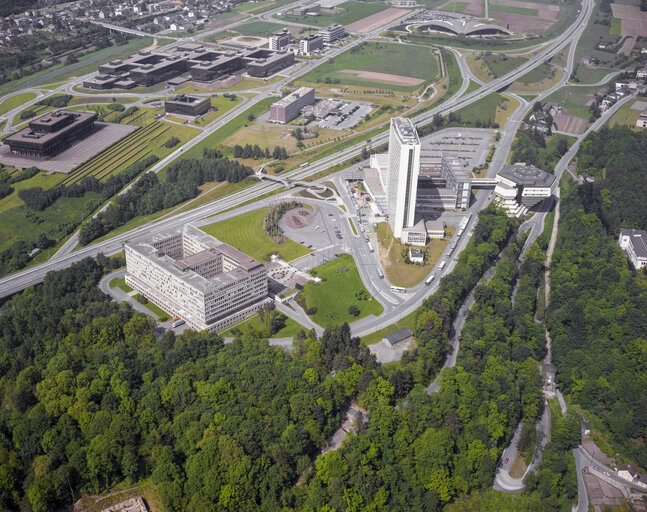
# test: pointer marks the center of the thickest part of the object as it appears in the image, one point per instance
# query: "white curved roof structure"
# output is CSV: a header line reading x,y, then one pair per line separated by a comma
x,y
464,27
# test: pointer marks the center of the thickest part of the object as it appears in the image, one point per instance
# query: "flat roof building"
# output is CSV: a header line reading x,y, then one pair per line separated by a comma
x,y
187,105
51,132
401,185
310,44
634,243
521,186
196,277
280,40
332,33
288,108
202,63
397,337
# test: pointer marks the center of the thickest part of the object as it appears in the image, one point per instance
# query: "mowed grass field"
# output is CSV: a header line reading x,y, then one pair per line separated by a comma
x,y
456,7
513,10
253,324
259,28
333,296
487,67
347,13
393,59
246,233
16,101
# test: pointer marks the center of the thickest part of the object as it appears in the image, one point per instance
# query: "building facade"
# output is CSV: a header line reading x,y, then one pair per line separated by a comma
x,y
51,133
402,174
634,243
332,33
196,277
310,44
187,105
279,41
522,186
289,107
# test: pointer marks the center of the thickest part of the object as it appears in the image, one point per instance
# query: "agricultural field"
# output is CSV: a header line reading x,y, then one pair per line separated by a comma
x,y
344,14
627,114
526,17
246,233
488,66
455,7
396,270
338,290
379,65
576,99
16,101
258,28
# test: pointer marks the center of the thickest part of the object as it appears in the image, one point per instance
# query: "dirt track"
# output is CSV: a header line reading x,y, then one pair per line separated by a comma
x,y
375,21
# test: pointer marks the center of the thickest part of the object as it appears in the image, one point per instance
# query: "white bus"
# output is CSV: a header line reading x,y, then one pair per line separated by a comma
x,y
380,274
398,289
370,247
442,265
429,280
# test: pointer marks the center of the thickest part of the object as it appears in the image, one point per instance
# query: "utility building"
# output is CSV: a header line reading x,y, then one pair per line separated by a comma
x,y
402,174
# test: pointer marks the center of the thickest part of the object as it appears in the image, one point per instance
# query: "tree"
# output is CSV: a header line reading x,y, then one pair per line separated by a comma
x,y
353,310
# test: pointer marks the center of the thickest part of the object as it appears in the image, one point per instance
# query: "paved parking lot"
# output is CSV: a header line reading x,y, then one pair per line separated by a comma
x,y
468,144
336,123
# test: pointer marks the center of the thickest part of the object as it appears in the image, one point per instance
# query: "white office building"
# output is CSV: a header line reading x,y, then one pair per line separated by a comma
x,y
310,44
332,33
196,277
402,174
521,186
634,243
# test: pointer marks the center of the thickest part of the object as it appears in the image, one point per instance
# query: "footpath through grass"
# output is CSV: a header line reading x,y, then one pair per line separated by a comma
x,y
246,233
340,288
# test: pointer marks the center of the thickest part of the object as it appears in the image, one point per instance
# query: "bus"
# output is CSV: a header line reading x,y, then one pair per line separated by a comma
x,y
305,164
398,289
442,265
370,247
380,274
177,322
429,280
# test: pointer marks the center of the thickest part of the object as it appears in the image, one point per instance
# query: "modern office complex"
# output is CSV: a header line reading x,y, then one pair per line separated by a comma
x,y
204,65
51,132
280,40
444,183
187,105
288,107
310,44
402,174
196,277
332,33
634,243
522,186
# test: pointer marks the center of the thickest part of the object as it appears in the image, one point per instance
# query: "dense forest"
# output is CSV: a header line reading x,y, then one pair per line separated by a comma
x,y
92,395
598,317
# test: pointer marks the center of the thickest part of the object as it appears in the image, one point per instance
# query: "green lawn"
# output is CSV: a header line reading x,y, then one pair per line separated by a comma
x,y
594,33
259,28
394,59
456,7
500,64
408,321
574,99
513,10
626,115
253,324
483,109
333,296
349,12
246,234
162,315
120,282
615,29
16,101
44,181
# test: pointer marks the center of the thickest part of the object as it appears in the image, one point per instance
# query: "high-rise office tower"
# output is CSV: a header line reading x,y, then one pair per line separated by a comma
x,y
402,174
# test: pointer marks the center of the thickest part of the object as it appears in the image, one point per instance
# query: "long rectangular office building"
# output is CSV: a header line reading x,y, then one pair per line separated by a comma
x,y
288,107
196,277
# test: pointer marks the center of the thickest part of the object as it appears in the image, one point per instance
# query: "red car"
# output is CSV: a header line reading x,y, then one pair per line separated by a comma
x,y
506,460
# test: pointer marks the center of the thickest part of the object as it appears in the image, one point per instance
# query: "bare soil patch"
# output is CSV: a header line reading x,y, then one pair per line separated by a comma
x,y
628,43
547,15
225,21
375,21
569,123
385,77
633,22
628,12
299,218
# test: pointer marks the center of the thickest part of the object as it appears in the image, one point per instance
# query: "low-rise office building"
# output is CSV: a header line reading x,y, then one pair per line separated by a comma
x,y
51,133
634,243
332,33
187,105
311,43
289,107
522,186
280,40
196,277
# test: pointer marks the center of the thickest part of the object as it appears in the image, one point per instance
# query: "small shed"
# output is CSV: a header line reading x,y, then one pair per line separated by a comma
x,y
397,337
